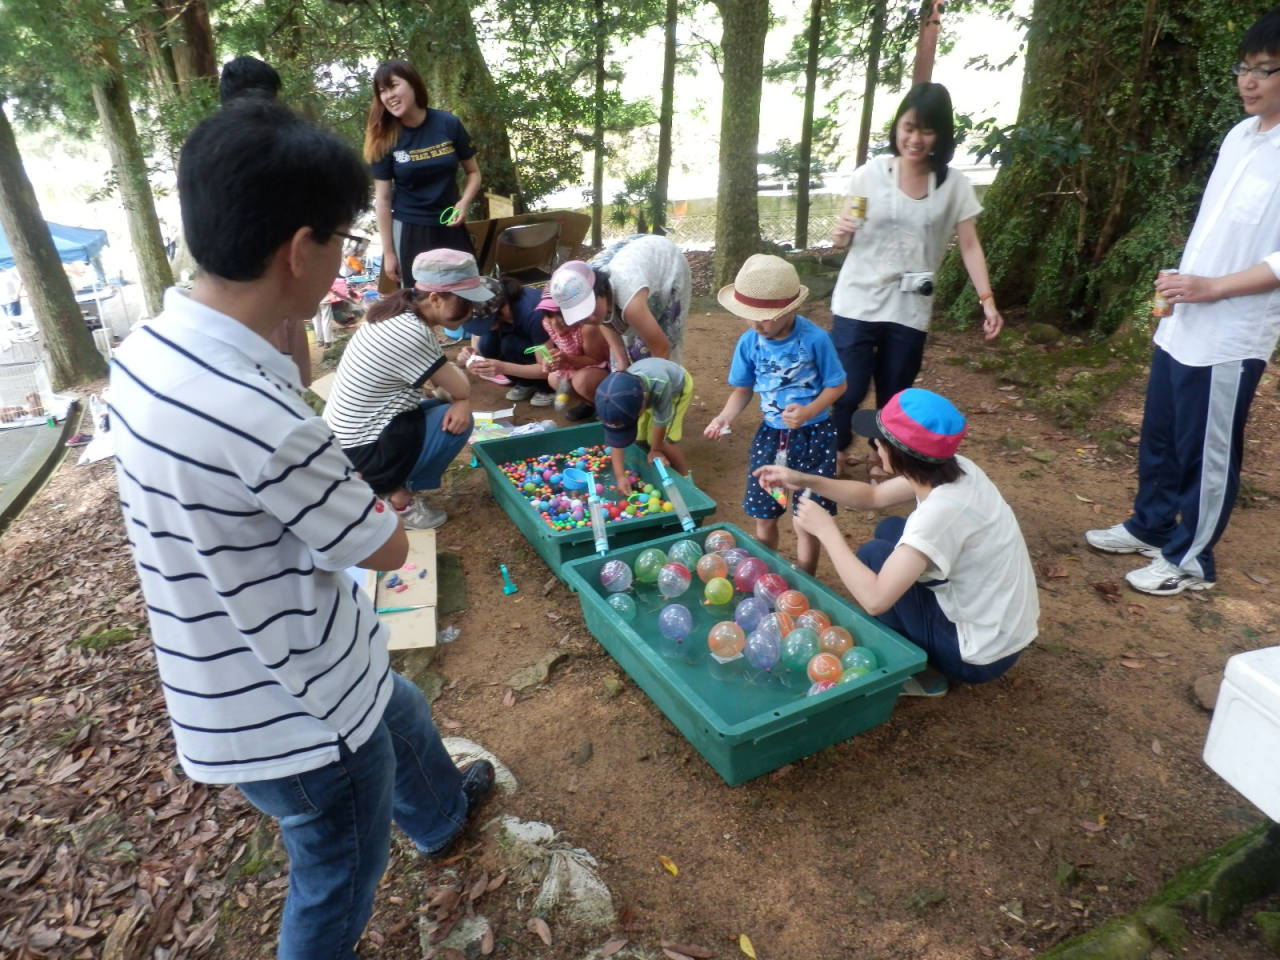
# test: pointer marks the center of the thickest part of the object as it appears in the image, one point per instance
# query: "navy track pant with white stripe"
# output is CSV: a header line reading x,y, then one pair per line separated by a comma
x,y
1189,457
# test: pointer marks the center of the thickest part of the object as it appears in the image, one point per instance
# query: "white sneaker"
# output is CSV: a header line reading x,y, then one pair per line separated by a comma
x,y
1160,578
518,393
418,516
1119,540
543,398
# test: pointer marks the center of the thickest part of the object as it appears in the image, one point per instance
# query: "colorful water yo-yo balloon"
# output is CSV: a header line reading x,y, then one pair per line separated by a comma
x,y
718,591
769,588
798,648
748,574
835,640
859,657
750,612
762,650
649,564
814,620
726,639
623,606
712,565
718,540
675,621
792,602
824,666
615,576
734,556
853,673
673,579
686,552
820,686
779,624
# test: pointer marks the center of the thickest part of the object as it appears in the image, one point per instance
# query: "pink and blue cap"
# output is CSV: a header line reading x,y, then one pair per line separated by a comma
x,y
918,422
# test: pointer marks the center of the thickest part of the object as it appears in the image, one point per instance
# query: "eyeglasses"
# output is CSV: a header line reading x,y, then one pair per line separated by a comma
x,y
351,236
1258,73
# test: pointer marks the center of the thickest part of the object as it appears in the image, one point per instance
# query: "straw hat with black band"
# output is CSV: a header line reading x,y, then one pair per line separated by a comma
x,y
766,287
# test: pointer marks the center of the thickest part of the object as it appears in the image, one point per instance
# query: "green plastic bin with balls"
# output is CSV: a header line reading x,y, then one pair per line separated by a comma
x,y
558,547
744,724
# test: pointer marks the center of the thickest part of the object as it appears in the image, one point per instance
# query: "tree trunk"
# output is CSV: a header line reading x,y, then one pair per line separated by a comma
x,y
597,166
191,39
152,40
806,126
1077,236
666,120
111,98
73,358
446,51
745,23
874,45
927,49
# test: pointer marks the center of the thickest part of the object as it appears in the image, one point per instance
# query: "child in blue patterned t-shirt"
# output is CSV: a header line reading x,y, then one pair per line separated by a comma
x,y
792,364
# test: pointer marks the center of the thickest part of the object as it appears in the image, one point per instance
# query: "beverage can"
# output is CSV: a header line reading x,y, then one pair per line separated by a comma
x,y
1160,307
858,208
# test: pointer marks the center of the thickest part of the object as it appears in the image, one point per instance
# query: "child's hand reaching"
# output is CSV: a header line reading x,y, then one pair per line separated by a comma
x,y
623,483
812,518
716,429
772,477
794,416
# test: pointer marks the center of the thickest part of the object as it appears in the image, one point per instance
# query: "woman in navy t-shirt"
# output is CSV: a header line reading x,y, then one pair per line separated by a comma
x,y
414,153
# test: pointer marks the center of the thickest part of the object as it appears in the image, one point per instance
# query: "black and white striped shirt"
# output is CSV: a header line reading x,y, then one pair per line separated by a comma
x,y
243,515
381,375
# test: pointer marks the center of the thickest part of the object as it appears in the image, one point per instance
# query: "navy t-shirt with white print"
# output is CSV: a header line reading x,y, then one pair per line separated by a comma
x,y
423,165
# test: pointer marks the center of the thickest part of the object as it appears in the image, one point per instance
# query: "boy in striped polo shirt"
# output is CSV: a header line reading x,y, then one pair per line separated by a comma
x,y
244,513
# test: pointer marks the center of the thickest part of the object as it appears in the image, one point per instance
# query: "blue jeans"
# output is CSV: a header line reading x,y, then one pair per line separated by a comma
x,y
919,618
888,353
439,447
336,824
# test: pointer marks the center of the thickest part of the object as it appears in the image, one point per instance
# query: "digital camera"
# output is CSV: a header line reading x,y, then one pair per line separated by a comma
x,y
921,283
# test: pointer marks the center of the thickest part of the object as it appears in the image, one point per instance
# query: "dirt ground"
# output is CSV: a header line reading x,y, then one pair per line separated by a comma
x,y
937,835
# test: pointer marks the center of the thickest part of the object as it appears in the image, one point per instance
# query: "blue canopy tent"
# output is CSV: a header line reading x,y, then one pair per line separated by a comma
x,y
74,244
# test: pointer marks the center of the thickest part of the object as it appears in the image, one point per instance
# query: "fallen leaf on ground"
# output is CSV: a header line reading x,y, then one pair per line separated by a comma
x,y
509,698
1091,826
539,926
610,948
675,954
688,949
1137,609
982,408
487,941
1156,748
1109,590
496,882
744,944
669,865
1133,664
1257,579
1052,570
1084,499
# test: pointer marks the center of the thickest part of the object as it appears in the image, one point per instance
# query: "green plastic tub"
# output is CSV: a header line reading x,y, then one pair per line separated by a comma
x,y
558,547
748,724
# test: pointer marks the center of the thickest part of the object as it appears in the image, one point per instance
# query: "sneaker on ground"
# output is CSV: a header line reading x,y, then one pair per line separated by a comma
x,y
418,516
477,786
543,398
501,379
520,392
583,411
1118,539
927,683
1160,578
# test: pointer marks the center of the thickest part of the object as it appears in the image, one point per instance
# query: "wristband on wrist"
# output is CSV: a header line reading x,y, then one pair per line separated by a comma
x,y
986,296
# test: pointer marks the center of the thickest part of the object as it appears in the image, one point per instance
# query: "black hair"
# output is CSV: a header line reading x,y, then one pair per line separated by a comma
x,y
1263,36
512,289
932,105
253,174
248,77
604,288
913,468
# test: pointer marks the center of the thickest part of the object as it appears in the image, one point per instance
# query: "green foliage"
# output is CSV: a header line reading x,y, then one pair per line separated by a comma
x,y
633,202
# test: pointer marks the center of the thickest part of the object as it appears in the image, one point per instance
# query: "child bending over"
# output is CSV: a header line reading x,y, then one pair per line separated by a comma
x,y
648,400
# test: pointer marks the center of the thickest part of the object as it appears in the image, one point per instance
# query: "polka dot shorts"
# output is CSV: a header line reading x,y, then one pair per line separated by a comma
x,y
810,449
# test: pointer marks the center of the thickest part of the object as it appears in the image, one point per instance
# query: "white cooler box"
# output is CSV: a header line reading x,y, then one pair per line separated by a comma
x,y
1243,746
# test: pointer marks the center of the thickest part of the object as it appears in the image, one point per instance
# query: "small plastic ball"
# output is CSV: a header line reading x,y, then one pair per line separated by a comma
x,y
798,648
853,673
675,621
824,666
814,620
718,540
750,612
623,606
649,564
792,602
748,574
820,686
615,576
718,591
726,639
673,579
859,657
734,556
711,566
762,650
779,624
769,587
686,552
835,640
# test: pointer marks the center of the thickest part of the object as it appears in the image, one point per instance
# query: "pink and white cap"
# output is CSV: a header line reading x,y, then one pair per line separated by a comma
x,y
572,287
